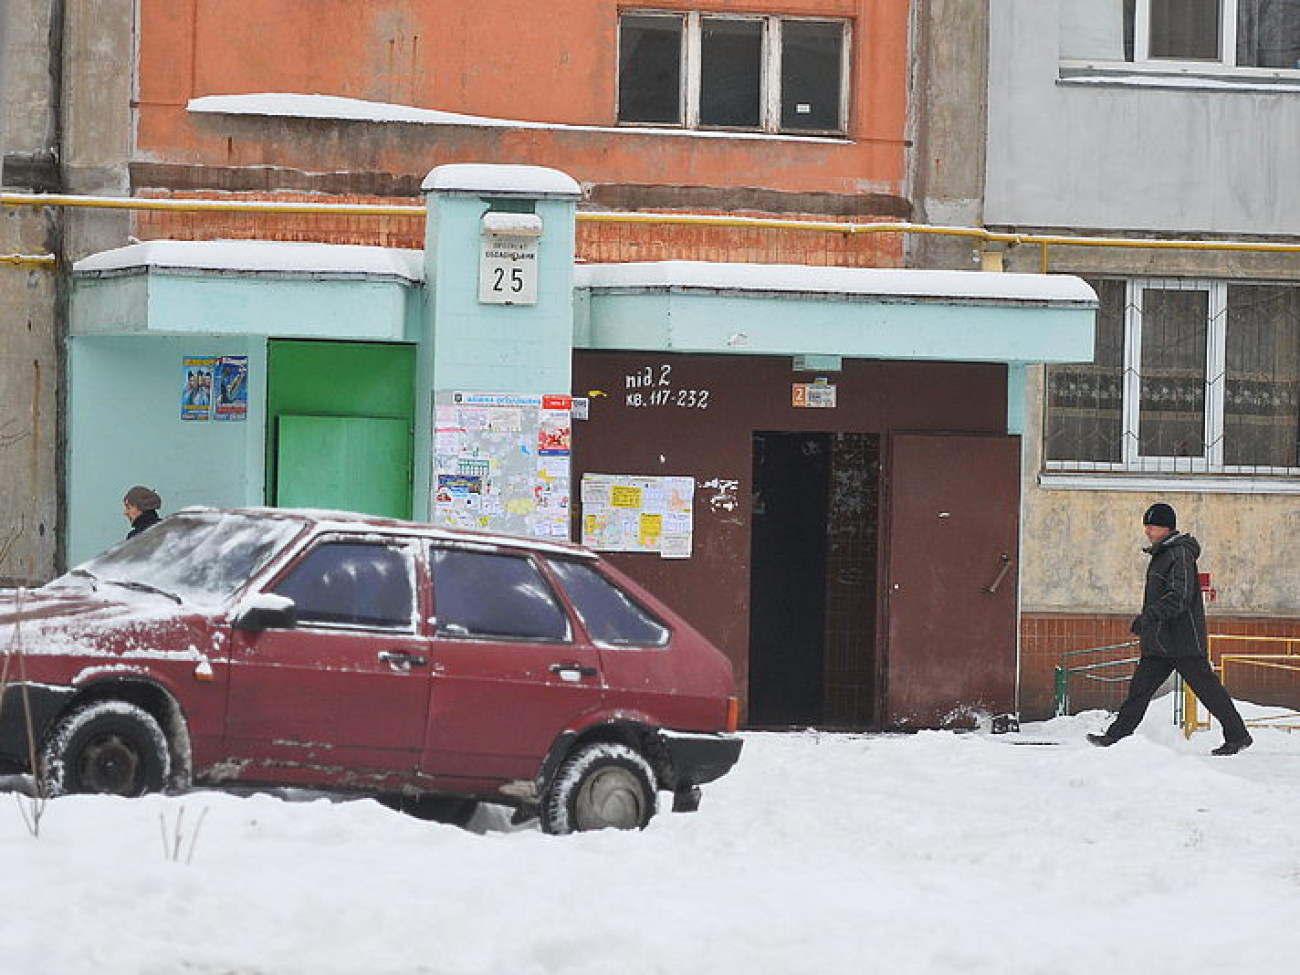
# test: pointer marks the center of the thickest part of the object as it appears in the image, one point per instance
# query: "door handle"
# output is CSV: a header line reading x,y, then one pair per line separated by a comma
x,y
402,660
1002,574
573,671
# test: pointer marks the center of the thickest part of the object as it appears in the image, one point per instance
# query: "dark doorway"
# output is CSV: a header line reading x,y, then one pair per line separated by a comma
x,y
813,579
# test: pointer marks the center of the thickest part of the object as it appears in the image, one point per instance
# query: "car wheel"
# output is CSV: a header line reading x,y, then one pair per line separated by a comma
x,y
600,786
108,747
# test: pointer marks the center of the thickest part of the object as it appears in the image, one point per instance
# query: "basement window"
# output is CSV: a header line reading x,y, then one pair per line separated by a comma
x,y
745,73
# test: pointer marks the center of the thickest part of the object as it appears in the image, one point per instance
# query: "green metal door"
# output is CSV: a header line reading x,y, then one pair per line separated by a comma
x,y
357,463
341,425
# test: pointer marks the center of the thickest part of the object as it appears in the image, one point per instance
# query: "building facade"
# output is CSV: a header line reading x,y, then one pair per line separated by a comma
x,y
820,467
851,112
1148,122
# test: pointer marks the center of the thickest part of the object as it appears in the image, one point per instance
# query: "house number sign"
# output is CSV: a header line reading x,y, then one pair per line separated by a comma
x,y
507,273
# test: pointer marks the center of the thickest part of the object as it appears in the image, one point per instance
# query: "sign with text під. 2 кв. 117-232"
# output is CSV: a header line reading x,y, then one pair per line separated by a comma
x,y
630,513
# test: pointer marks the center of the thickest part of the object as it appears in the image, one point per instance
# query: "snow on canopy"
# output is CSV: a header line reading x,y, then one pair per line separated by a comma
x,y
799,278
259,256
346,259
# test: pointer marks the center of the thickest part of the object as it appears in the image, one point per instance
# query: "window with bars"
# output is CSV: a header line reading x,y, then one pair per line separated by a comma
x,y
762,73
1230,33
1187,377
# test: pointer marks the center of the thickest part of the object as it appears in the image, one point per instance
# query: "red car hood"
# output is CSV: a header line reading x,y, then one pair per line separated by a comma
x,y
68,621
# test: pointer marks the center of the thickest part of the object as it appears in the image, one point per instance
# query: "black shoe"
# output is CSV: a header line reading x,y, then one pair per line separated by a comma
x,y
1102,741
1232,747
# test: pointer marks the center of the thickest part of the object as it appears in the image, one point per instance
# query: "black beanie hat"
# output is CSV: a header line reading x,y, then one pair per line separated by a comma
x,y
1161,514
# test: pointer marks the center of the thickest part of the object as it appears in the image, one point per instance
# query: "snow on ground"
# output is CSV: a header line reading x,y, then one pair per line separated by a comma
x,y
821,853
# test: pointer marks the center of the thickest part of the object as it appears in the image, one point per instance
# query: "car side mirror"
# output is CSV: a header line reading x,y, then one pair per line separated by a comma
x,y
266,611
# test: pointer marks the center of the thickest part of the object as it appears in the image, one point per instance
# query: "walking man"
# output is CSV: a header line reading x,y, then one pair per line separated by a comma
x,y
1171,628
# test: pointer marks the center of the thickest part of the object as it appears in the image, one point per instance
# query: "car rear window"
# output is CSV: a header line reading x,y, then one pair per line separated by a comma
x,y
352,583
492,595
610,615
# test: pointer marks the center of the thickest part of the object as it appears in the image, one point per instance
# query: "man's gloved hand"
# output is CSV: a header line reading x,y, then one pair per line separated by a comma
x,y
1138,625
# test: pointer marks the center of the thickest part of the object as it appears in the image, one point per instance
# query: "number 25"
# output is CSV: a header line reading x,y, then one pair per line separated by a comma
x,y
516,279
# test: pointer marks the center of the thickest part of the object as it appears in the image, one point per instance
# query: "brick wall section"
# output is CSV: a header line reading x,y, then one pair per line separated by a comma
x,y
330,228
596,242
619,242
1045,637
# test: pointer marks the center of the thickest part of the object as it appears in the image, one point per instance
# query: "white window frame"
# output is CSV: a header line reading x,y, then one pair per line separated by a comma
x,y
1211,462
1225,64
1227,37
770,86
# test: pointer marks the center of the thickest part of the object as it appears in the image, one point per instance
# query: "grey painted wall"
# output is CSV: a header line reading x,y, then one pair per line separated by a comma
x,y
1222,159
68,128
946,123
29,360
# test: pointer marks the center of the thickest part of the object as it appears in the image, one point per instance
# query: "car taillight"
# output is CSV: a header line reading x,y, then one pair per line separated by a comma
x,y
733,713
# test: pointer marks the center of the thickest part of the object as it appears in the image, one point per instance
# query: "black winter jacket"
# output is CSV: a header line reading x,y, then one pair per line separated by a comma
x,y
1172,622
146,519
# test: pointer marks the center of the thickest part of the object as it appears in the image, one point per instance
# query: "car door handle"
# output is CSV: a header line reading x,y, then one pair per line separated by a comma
x,y
573,671
402,660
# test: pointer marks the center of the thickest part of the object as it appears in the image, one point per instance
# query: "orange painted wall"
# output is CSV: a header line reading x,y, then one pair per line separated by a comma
x,y
516,59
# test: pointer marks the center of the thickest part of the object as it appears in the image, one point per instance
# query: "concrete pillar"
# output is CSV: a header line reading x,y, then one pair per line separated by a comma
x,y
499,251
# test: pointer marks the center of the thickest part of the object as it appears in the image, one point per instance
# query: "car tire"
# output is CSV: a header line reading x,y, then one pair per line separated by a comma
x,y
105,747
603,785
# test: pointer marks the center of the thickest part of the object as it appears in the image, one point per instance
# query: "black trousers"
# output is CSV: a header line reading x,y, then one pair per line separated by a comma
x,y
1152,672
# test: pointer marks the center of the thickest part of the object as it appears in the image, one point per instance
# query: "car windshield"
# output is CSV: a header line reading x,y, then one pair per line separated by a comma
x,y
198,557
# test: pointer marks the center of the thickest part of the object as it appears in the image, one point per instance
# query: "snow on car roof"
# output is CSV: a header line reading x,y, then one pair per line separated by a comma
x,y
337,519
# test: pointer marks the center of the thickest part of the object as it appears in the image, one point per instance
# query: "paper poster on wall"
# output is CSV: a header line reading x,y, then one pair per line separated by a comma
x,y
196,386
633,513
230,388
501,463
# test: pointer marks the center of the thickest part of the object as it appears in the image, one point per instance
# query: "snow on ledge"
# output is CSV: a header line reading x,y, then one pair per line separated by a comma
x,y
295,105
801,279
264,256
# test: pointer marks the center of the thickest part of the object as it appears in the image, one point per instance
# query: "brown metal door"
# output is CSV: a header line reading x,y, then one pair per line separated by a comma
x,y
950,584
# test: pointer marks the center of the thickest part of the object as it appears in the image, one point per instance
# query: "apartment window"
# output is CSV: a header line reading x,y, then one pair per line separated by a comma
x,y
756,73
1232,33
1187,377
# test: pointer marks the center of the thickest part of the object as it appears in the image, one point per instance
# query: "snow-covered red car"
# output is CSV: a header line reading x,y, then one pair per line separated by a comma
x,y
273,647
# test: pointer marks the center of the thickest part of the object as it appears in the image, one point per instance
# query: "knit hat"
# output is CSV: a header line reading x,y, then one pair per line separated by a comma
x,y
1161,514
146,499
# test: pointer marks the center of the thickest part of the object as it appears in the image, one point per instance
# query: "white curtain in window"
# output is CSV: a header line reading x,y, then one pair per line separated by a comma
x,y
1092,30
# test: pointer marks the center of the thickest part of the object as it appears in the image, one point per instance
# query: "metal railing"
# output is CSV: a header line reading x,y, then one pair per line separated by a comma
x,y
1187,710
1101,671
1287,661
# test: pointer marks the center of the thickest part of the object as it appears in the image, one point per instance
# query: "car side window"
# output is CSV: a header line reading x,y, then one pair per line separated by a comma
x,y
492,595
610,615
354,584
